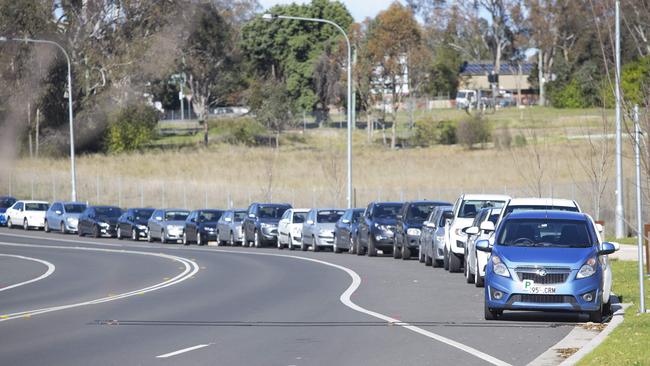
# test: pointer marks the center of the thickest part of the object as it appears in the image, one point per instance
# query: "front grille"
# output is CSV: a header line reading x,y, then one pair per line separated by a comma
x,y
553,275
543,299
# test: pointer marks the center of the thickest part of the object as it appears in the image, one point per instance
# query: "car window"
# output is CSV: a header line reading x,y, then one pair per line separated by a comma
x,y
545,233
329,216
385,211
493,218
299,217
73,208
356,215
36,206
209,216
469,208
176,215
108,212
419,212
272,212
442,219
6,202
141,215
239,216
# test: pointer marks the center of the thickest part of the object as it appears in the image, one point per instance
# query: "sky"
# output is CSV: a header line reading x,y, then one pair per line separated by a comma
x,y
360,9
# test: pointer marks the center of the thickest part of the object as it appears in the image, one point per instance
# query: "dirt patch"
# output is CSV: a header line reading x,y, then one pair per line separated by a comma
x,y
598,327
566,352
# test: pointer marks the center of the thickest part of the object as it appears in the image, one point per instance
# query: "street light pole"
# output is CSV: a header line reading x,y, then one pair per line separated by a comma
x,y
271,17
619,211
73,174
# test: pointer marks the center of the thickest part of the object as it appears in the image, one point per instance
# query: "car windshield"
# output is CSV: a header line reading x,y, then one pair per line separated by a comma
x,y
272,212
386,211
36,206
511,208
176,215
443,219
142,215
299,217
469,208
209,216
356,215
240,216
329,216
6,202
417,213
460,95
74,208
108,212
545,233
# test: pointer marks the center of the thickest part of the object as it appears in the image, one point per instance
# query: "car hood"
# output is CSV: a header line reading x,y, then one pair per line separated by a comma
x,y
270,221
414,225
329,227
550,257
175,222
72,215
386,221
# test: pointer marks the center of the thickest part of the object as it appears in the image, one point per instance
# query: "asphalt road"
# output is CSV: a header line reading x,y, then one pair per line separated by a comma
x,y
110,302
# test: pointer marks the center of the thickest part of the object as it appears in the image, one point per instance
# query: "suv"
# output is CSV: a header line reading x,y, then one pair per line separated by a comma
x,y
377,228
409,226
535,203
64,216
261,224
433,236
465,209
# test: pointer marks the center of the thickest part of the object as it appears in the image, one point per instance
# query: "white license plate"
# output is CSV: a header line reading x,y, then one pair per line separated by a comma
x,y
532,288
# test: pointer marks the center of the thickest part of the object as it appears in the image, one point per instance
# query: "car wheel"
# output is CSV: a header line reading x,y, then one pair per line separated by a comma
x,y
46,227
372,250
596,316
479,281
258,240
232,239
199,239
314,244
445,260
62,229
185,242
25,224
303,246
428,261
420,254
491,314
162,237
352,249
95,231
436,263
469,276
134,234
406,252
336,245
396,251
279,244
149,237
454,262
119,233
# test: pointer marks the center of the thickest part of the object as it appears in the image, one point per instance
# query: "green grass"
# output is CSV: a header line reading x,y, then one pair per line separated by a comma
x,y
629,343
626,241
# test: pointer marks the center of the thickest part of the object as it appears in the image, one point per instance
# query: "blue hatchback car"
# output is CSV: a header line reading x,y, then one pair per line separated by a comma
x,y
5,203
548,261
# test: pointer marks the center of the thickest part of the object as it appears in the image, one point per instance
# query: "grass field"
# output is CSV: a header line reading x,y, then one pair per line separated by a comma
x,y
629,344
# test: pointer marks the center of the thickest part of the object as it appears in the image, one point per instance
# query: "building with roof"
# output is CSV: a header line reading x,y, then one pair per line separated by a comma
x,y
512,76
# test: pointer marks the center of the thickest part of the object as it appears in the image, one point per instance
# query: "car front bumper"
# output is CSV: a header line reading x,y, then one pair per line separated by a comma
x,y
413,241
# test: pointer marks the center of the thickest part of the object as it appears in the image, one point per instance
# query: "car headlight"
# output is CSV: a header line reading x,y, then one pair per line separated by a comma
x,y
499,268
440,238
588,269
413,231
208,229
141,227
267,226
459,231
104,225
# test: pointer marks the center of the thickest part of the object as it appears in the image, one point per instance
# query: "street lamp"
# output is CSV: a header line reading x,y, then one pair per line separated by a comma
x,y
73,178
271,17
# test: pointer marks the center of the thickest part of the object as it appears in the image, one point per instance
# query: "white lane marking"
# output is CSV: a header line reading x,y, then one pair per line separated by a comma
x,y
184,350
50,269
190,269
345,298
63,240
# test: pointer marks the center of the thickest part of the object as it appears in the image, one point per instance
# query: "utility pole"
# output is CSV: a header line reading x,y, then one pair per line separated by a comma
x,y
639,207
619,211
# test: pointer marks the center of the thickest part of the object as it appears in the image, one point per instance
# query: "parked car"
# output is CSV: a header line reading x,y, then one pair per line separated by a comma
x,y
377,228
64,216
5,203
28,214
409,226
432,239
318,230
261,225
547,260
290,227
345,230
166,225
475,261
229,227
133,223
99,221
465,209
201,226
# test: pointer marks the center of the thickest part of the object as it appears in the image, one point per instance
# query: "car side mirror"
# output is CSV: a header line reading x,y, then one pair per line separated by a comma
x,y
345,221
227,219
429,224
483,246
608,248
472,230
447,222
58,212
252,216
158,218
487,226
310,222
399,217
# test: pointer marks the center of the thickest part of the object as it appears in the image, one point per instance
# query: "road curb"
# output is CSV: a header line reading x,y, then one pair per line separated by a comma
x,y
584,339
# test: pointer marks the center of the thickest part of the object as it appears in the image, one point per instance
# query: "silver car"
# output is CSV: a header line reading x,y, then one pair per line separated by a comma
x,y
318,230
64,216
229,227
167,225
432,240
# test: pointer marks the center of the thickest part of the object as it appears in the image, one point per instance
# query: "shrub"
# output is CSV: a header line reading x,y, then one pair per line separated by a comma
x,y
502,138
447,133
472,131
429,132
567,96
244,131
131,128
520,140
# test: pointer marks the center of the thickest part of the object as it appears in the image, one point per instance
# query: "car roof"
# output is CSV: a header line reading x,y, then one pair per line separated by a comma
x,y
103,206
387,203
300,209
274,204
437,203
537,201
486,197
548,214
175,209
328,209
31,201
70,202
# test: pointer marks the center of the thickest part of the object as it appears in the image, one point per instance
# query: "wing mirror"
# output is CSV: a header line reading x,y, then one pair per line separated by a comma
x,y
487,226
472,230
252,216
483,246
310,222
345,221
158,218
608,248
430,224
58,212
227,219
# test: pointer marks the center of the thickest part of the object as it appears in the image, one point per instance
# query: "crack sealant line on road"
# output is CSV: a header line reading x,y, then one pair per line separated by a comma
x,y
191,268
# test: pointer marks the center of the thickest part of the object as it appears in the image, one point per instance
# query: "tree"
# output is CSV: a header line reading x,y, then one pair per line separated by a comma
x,y
272,105
393,38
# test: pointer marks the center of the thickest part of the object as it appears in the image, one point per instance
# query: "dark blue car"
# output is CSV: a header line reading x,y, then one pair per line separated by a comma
x,y
5,203
409,227
547,260
377,228
345,230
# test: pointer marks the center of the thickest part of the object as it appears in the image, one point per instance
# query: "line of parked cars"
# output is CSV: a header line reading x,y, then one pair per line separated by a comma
x,y
528,253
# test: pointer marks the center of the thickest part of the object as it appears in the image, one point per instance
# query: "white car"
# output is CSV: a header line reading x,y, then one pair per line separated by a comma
x,y
465,209
28,214
475,260
290,228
